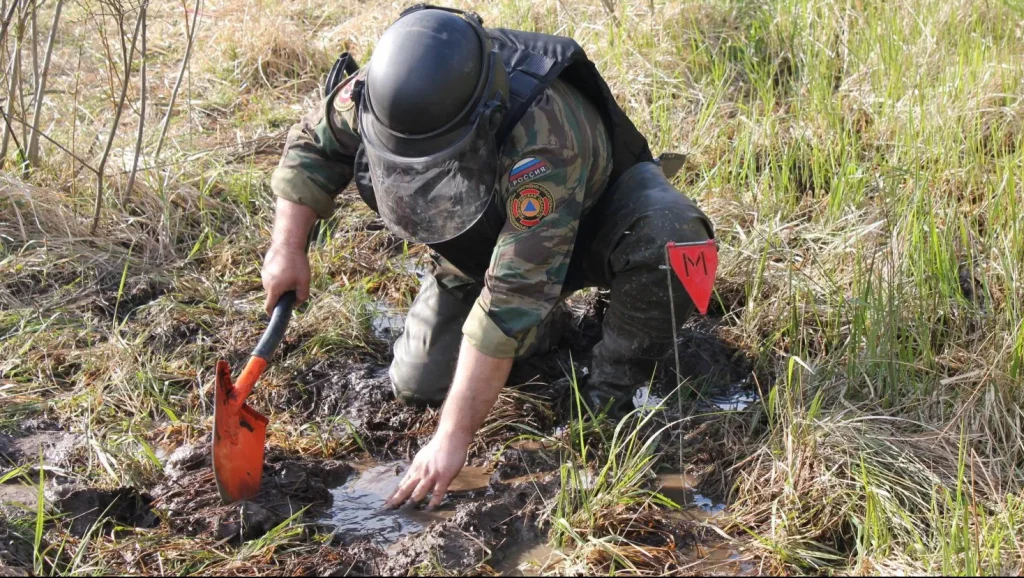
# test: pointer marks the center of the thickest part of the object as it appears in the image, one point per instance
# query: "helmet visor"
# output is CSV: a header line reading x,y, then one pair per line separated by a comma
x,y
437,197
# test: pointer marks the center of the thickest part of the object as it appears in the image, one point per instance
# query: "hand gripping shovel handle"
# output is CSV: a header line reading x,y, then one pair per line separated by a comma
x,y
278,323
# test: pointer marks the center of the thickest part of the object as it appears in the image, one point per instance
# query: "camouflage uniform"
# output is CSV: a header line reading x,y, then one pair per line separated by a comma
x,y
554,167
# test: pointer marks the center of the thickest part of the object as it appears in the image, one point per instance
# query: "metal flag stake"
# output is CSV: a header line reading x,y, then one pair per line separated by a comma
x,y
696,265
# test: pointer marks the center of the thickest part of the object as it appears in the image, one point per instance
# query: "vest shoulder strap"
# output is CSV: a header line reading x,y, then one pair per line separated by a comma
x,y
533,62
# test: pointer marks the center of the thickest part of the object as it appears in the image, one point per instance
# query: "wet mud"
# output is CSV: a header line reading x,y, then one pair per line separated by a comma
x,y
708,361
479,531
15,547
88,509
192,505
358,514
361,394
493,519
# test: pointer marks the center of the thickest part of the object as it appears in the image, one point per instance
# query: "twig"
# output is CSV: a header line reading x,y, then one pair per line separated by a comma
x,y
10,128
74,121
3,33
7,21
21,92
609,5
142,107
11,87
33,143
113,127
181,76
35,43
81,161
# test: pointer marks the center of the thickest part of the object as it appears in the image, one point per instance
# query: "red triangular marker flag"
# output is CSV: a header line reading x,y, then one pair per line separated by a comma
x,y
695,264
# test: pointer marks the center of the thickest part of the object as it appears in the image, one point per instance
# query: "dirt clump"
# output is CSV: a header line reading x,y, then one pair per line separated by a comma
x,y
186,458
85,507
361,393
8,452
171,337
474,534
15,549
58,448
193,506
113,301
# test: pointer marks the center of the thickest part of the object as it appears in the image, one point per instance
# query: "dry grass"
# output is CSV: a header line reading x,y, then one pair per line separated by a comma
x,y
862,162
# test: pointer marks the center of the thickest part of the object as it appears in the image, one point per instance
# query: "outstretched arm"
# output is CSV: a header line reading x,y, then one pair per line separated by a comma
x,y
477,384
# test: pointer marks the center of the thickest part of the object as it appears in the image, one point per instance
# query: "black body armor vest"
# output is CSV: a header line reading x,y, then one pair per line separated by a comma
x,y
534,62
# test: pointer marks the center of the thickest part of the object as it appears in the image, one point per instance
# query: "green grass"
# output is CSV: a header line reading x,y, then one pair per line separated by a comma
x,y
863,162
605,480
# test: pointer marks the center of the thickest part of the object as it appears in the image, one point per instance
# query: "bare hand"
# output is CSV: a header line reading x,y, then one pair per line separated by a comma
x,y
285,269
432,471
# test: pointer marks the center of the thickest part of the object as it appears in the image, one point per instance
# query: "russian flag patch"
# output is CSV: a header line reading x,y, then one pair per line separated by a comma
x,y
528,169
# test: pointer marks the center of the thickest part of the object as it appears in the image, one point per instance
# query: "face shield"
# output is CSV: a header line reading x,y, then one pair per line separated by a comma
x,y
434,198
432,187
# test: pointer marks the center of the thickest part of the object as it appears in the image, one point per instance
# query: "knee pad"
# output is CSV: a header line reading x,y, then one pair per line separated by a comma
x,y
417,386
678,225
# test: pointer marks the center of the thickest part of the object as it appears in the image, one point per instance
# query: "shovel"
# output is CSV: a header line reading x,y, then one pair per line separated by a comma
x,y
239,431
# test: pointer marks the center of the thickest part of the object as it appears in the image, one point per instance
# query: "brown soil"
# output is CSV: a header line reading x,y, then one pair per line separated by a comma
x,y
193,507
84,508
15,547
474,534
475,530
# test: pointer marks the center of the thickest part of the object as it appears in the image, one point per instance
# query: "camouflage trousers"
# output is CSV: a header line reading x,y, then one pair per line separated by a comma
x,y
621,249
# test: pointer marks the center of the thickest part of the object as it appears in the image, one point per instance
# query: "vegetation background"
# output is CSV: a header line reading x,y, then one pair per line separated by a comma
x,y
863,161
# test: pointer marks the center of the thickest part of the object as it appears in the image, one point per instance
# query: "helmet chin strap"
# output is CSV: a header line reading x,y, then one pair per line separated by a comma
x,y
494,112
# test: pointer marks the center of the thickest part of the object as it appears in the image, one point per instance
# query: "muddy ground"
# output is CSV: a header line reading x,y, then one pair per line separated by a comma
x,y
495,517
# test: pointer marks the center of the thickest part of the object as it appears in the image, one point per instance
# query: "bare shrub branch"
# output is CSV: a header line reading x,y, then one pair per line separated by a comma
x,y
32,156
142,106
119,109
13,85
181,76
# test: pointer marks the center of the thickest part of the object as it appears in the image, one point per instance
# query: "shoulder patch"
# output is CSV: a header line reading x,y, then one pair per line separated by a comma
x,y
344,101
528,205
528,169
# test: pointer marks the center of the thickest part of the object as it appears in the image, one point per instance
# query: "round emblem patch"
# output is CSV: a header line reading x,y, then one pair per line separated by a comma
x,y
528,205
345,101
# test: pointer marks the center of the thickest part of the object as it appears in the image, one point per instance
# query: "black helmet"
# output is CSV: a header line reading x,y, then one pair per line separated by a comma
x,y
434,95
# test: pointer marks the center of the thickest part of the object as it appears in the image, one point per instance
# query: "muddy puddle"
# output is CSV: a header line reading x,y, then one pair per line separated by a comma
x,y
386,323
358,505
718,560
737,400
712,556
527,559
681,488
495,521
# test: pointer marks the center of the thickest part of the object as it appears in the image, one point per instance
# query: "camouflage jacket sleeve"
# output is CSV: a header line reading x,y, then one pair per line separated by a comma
x,y
556,164
318,158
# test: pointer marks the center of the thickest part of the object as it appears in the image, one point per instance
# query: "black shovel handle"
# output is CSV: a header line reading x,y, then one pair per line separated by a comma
x,y
278,323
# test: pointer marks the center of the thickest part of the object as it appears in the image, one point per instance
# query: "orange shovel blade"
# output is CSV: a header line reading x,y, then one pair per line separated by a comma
x,y
239,433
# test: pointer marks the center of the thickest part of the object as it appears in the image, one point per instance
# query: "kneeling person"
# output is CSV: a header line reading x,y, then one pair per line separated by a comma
x,y
507,155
